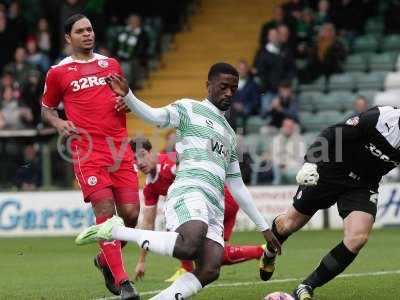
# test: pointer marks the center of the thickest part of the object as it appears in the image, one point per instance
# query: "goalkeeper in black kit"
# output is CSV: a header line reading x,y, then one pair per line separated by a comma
x,y
344,166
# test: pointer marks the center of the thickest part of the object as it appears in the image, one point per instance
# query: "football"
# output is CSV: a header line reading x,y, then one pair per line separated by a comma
x,y
278,296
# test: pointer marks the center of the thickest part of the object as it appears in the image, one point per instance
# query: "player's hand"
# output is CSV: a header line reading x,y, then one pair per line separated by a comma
x,y
118,84
120,105
273,241
66,128
139,271
308,175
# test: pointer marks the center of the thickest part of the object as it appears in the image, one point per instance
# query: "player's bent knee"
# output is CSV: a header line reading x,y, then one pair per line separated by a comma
x,y
355,242
130,221
190,251
185,249
104,208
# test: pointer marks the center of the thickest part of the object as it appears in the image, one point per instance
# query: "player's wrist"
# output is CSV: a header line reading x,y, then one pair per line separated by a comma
x,y
129,95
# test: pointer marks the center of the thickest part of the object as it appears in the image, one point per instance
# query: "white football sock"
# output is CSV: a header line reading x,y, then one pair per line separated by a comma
x,y
160,242
184,287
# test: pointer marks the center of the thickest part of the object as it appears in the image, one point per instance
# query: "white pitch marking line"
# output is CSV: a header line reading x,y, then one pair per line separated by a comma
x,y
216,285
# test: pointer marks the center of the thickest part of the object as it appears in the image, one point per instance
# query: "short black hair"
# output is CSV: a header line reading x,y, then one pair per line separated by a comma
x,y
222,68
71,21
139,143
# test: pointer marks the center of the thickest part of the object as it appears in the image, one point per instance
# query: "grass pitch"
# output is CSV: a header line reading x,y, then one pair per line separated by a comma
x,y
54,268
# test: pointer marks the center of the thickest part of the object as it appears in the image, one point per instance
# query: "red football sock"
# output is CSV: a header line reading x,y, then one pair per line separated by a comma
x,y
187,265
237,254
102,258
111,254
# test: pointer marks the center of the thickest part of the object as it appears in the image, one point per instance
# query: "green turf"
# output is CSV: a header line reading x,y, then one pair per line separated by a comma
x,y
54,268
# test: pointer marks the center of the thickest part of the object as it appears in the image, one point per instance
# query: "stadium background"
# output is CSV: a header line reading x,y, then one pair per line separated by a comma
x,y
311,59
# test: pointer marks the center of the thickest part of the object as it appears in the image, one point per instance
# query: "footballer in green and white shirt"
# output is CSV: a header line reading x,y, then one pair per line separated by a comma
x,y
206,147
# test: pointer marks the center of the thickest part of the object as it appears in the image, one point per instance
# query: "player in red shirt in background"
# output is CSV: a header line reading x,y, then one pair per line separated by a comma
x,y
97,139
160,171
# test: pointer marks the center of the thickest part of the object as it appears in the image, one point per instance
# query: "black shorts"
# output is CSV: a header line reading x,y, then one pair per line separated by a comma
x,y
309,199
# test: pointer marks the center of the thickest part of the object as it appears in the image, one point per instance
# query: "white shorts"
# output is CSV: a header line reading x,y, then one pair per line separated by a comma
x,y
193,205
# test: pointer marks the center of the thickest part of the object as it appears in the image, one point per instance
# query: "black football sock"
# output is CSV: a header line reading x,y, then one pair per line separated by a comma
x,y
281,238
334,263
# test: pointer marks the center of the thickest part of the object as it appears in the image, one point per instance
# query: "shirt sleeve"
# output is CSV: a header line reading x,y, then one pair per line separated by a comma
x,y
118,68
233,167
243,198
177,116
52,92
170,170
150,197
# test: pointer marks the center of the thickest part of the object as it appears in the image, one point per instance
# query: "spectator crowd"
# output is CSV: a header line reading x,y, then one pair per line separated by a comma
x,y
304,41
32,39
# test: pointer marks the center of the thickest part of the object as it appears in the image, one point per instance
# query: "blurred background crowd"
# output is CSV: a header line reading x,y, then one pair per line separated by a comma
x,y
318,62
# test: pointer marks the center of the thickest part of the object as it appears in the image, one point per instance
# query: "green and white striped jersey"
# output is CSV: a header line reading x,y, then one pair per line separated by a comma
x,y
206,149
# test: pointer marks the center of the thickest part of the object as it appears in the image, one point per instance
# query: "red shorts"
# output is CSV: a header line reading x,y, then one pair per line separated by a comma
x,y
231,210
123,181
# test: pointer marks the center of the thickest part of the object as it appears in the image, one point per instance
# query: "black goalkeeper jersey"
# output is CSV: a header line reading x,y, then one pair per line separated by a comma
x,y
359,151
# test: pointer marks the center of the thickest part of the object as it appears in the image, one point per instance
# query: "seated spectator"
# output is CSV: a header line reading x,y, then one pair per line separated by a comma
x,y
322,15
103,50
293,8
66,51
277,19
304,32
327,55
288,149
12,115
272,67
288,47
7,80
170,141
29,175
247,97
360,105
19,67
131,47
347,17
43,36
392,20
17,21
31,95
287,43
264,172
6,38
245,160
285,105
35,57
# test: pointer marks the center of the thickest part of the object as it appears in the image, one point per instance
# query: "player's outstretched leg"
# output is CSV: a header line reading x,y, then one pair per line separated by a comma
x,y
282,226
357,226
181,244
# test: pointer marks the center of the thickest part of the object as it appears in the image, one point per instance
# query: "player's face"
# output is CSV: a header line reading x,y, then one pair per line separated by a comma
x,y
221,90
145,161
81,36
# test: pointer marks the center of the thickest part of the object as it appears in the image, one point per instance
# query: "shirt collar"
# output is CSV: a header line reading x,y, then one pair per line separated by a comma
x,y
211,106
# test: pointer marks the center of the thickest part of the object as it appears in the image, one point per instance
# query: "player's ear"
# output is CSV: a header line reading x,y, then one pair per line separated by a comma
x,y
208,85
68,38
